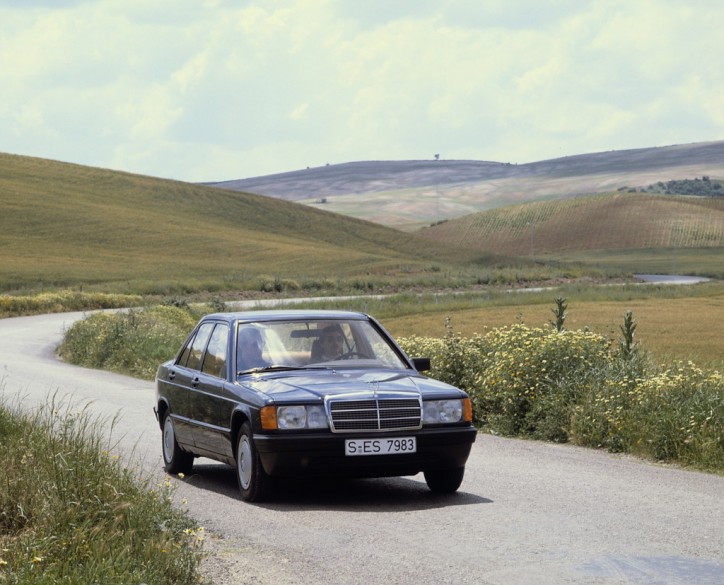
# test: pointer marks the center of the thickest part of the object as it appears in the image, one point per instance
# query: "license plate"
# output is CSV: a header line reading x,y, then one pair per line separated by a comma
x,y
380,446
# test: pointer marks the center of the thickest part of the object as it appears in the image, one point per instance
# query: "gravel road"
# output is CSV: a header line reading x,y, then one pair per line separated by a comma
x,y
527,512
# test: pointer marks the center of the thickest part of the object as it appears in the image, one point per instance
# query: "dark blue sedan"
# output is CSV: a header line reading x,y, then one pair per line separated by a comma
x,y
290,393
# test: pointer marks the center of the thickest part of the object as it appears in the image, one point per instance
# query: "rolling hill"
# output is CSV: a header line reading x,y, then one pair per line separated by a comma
x,y
64,225
614,221
409,195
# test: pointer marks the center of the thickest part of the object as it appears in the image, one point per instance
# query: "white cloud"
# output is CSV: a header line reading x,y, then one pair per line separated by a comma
x,y
220,89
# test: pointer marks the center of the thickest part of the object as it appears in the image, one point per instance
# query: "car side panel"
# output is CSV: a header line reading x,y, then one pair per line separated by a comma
x,y
174,383
211,429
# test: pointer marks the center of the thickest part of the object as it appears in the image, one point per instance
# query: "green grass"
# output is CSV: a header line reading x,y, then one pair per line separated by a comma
x,y
707,262
63,301
70,512
66,225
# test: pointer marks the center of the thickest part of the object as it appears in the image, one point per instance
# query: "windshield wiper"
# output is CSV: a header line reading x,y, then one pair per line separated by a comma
x,y
279,369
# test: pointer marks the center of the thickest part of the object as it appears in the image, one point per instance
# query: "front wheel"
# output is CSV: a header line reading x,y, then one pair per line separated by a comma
x,y
253,480
174,459
444,481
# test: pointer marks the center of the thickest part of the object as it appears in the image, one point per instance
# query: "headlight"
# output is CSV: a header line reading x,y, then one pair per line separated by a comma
x,y
301,417
316,417
291,417
443,411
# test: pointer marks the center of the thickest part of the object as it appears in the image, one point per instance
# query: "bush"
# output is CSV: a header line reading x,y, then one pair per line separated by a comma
x,y
572,386
678,415
133,342
532,377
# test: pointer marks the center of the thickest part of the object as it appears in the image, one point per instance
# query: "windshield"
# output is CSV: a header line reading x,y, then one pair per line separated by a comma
x,y
304,343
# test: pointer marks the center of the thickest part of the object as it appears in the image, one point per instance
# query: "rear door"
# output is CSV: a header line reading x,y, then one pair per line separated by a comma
x,y
184,380
212,428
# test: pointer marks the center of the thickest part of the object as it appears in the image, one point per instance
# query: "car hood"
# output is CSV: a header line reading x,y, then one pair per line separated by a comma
x,y
306,386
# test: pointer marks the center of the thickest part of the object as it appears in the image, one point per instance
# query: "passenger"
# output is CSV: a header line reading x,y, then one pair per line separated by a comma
x,y
250,346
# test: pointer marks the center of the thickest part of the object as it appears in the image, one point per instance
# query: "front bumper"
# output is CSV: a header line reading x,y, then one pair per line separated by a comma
x,y
323,454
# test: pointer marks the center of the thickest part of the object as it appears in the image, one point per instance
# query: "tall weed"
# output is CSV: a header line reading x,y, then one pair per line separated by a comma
x,y
71,513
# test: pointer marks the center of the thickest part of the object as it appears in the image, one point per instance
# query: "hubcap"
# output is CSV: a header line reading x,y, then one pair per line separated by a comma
x,y
244,462
168,439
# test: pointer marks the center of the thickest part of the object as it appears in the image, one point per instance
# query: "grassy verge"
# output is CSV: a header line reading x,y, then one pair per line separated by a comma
x,y
63,301
25,299
71,513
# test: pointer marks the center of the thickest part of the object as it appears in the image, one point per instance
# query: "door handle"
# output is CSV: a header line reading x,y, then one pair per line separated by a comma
x,y
195,382
172,375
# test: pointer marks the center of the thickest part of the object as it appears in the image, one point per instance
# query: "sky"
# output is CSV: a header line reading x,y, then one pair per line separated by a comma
x,y
215,90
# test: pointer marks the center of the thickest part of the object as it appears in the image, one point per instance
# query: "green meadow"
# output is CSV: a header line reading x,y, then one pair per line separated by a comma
x,y
65,225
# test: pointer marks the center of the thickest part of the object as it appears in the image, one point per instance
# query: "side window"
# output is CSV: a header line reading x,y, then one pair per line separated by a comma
x,y
197,346
184,357
215,358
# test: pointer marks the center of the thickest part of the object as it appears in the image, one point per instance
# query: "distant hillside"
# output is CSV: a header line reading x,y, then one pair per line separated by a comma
x,y
64,224
411,194
612,221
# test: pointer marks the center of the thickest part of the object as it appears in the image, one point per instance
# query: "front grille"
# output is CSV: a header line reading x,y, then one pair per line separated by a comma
x,y
375,414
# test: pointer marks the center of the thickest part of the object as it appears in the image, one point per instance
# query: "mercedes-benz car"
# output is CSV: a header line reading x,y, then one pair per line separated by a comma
x,y
316,393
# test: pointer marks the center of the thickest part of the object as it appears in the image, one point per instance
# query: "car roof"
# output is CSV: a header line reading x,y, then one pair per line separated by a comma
x,y
285,314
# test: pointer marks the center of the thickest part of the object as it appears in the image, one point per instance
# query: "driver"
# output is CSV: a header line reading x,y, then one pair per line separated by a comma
x,y
250,346
332,341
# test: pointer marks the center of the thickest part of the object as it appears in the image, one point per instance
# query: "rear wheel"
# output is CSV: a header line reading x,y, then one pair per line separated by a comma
x,y
444,481
253,480
174,459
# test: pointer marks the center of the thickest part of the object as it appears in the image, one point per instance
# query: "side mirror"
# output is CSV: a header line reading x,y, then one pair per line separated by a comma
x,y
421,364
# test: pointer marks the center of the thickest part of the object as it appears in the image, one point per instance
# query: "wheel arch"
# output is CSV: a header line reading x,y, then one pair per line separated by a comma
x,y
162,408
238,418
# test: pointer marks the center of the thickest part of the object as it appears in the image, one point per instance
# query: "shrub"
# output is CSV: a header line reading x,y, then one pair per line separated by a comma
x,y
572,386
678,415
133,342
532,377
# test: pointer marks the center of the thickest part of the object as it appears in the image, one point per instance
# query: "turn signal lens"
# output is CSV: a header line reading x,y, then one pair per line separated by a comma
x,y
467,410
268,416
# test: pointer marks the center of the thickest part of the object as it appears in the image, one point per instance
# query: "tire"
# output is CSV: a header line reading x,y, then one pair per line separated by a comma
x,y
174,459
444,481
250,475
